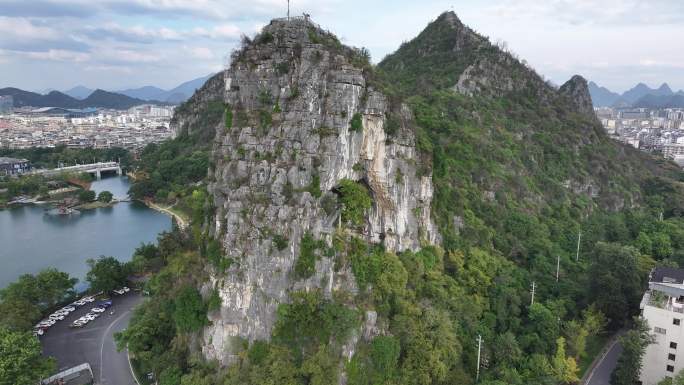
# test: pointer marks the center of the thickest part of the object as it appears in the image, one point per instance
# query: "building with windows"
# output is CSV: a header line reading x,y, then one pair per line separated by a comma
x,y
663,308
12,166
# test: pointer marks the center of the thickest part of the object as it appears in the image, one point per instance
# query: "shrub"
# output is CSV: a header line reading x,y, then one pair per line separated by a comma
x,y
311,319
229,118
190,313
265,38
314,188
280,242
282,68
306,263
392,125
355,200
356,124
86,196
214,302
105,197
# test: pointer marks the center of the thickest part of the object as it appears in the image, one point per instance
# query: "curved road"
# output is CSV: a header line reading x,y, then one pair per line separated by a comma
x,y
94,343
600,375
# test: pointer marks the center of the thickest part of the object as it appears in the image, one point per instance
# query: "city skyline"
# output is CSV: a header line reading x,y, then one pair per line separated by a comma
x,y
50,44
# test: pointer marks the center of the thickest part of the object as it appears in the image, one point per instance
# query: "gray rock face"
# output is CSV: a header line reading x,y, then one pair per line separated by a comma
x,y
577,90
188,121
294,93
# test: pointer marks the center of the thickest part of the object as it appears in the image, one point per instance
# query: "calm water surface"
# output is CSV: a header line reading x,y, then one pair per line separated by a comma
x,y
31,241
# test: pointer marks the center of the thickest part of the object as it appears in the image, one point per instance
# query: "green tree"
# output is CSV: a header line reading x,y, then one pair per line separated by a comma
x,y
105,196
190,312
634,344
576,335
616,281
356,201
106,274
21,359
86,196
23,301
565,368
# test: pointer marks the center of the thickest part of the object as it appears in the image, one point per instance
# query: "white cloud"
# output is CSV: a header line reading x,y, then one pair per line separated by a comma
x,y
59,55
203,53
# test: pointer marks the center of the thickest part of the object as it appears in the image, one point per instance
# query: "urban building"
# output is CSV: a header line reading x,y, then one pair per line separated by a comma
x,y
13,166
663,308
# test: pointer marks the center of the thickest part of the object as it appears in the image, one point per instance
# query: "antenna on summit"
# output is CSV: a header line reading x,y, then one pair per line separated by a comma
x,y
288,10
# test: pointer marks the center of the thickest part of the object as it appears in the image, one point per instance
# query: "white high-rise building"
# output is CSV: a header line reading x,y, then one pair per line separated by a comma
x,y
663,308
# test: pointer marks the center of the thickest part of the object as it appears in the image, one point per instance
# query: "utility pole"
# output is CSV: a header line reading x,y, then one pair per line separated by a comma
x,y
479,352
534,286
557,267
579,239
288,10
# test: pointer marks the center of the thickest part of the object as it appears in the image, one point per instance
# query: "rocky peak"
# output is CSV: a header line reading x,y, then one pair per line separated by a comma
x,y
302,119
577,91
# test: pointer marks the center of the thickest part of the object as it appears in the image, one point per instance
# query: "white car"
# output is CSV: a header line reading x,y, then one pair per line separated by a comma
x,y
38,332
68,309
126,289
88,299
48,322
90,316
80,302
98,309
119,291
56,316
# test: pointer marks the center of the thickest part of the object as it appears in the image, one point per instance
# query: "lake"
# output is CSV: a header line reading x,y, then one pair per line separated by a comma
x,y
31,241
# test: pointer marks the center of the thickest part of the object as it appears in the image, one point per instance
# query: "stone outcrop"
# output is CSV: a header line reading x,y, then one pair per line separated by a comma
x,y
189,116
577,90
294,93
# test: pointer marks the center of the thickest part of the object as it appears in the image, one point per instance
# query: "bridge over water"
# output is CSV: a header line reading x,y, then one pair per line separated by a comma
x,y
94,168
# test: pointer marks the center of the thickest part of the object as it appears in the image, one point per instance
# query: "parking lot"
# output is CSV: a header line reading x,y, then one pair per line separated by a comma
x,y
94,342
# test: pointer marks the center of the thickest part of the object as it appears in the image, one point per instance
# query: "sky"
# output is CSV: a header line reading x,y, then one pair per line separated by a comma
x,y
119,44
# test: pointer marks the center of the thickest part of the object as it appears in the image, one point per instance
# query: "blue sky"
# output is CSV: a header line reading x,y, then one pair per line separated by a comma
x,y
116,44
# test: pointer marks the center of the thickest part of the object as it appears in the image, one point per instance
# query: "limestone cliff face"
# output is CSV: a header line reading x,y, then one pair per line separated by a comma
x,y
577,90
294,93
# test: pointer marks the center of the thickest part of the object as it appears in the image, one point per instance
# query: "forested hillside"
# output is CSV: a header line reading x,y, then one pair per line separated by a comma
x,y
520,169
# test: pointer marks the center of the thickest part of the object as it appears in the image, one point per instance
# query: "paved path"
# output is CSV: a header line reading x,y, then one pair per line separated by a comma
x,y
600,375
94,343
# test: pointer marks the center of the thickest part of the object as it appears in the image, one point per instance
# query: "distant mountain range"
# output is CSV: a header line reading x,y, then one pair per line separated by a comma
x,y
98,98
150,93
640,95
82,97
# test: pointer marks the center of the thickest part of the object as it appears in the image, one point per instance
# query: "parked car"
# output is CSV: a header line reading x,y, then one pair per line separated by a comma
x,y
98,310
68,309
89,299
119,291
56,316
105,304
38,332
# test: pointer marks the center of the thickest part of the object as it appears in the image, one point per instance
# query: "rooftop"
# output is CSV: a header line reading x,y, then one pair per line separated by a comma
x,y
5,160
667,275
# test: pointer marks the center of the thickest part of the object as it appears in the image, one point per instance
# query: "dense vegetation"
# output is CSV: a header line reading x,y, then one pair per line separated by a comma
x,y
517,179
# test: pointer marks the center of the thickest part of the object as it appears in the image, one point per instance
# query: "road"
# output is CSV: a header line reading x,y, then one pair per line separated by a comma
x,y
601,373
94,343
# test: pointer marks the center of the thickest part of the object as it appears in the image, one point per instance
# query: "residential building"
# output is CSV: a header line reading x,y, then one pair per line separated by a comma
x,y
12,166
663,308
